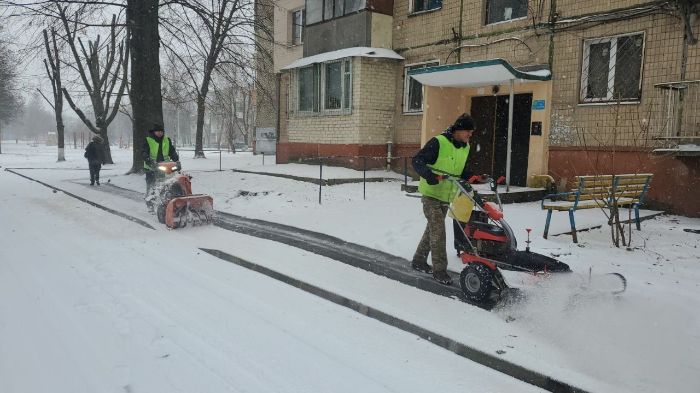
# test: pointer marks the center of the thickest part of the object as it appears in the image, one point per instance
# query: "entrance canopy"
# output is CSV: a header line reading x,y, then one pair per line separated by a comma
x,y
476,74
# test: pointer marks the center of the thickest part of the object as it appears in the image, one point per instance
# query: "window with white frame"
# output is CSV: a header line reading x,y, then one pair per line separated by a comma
x,y
413,90
297,27
425,5
505,10
308,88
612,68
325,87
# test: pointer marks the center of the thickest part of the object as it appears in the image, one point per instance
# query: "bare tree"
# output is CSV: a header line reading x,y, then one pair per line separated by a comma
x,y
10,101
201,37
52,64
99,75
233,105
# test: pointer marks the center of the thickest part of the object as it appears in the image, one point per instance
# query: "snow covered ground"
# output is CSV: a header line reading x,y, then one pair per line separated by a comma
x,y
93,302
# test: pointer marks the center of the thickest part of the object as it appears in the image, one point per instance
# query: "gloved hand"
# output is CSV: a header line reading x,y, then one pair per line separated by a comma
x,y
432,179
149,162
179,166
478,178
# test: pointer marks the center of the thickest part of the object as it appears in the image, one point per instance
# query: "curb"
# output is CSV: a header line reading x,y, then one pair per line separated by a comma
x,y
511,369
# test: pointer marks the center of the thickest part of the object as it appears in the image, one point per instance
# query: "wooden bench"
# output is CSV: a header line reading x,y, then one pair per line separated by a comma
x,y
599,191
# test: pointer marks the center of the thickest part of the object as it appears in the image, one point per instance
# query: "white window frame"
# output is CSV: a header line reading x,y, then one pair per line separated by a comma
x,y
486,16
583,91
346,62
406,85
292,41
298,96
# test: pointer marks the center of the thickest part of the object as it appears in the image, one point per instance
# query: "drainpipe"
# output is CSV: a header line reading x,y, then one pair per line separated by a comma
x,y
510,134
552,19
459,39
278,84
389,145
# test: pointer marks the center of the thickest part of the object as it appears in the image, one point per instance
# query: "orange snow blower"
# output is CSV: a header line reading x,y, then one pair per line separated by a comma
x,y
172,199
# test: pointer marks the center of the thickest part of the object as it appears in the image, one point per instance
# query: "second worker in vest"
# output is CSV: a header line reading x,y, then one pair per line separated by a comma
x,y
448,153
156,148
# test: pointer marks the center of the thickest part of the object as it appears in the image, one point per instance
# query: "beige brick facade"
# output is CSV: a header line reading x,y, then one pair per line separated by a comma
x,y
369,121
430,36
624,124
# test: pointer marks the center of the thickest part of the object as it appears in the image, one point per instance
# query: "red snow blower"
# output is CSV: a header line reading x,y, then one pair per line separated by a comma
x,y
172,199
486,243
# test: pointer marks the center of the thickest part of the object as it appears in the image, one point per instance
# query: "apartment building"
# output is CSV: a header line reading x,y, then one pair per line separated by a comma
x,y
573,87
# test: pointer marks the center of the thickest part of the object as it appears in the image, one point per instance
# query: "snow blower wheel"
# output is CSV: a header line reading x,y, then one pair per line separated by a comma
x,y
476,281
160,212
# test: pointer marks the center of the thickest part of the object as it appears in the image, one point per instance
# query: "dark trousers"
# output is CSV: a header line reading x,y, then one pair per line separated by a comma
x,y
150,181
95,172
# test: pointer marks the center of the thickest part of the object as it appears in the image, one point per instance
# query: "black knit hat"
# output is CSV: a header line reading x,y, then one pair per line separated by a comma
x,y
463,122
157,127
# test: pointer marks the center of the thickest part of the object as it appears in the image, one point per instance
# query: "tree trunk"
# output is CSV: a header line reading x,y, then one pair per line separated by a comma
x,y
198,145
60,132
146,99
106,151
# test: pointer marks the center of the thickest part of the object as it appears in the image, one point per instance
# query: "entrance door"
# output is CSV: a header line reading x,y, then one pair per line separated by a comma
x,y
491,121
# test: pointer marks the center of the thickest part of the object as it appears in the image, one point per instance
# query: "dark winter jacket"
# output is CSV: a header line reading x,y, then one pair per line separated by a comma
x,y
428,156
145,149
94,153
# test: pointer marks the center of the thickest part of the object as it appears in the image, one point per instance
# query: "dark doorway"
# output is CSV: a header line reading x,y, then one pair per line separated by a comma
x,y
490,115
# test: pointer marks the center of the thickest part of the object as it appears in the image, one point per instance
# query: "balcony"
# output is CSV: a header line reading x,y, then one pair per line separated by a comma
x,y
340,24
675,118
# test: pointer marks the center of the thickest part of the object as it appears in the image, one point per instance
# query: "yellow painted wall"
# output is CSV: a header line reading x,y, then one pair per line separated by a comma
x,y
443,105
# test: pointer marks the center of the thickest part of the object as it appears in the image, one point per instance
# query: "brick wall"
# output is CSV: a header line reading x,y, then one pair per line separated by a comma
x,y
576,124
371,120
429,36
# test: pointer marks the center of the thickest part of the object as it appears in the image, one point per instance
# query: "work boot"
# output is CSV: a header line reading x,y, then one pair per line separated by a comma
x,y
98,182
442,277
92,183
422,267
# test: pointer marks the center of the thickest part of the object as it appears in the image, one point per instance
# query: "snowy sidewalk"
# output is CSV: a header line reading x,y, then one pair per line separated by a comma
x,y
601,347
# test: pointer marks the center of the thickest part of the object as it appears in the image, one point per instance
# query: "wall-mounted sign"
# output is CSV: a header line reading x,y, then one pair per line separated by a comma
x,y
537,105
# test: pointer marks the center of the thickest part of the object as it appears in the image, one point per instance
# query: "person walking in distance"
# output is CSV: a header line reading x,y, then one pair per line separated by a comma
x,y
95,157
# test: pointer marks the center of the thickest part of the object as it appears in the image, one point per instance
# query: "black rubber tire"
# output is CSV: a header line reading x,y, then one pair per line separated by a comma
x,y
476,281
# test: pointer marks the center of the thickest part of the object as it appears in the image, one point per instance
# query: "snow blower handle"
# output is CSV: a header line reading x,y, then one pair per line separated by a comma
x,y
493,211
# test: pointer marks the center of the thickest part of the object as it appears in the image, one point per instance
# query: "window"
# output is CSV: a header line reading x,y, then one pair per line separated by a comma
x,y
314,11
413,90
612,68
333,91
425,5
347,83
320,10
328,83
308,88
297,27
504,10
